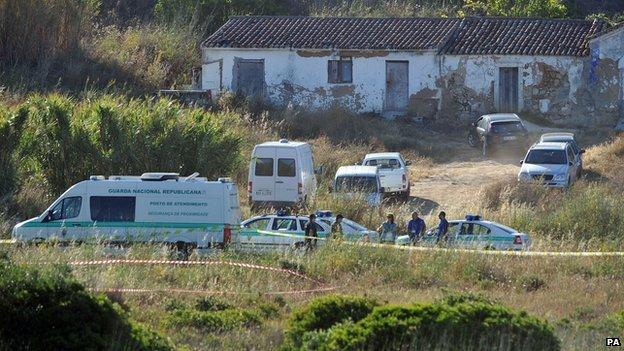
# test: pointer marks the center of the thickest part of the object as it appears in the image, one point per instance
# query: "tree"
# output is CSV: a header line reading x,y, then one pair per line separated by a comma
x,y
516,8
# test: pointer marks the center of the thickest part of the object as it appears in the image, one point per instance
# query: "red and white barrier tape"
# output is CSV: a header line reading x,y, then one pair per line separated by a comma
x,y
207,292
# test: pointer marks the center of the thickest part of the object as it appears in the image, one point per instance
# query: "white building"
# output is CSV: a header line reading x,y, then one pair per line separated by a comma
x,y
423,67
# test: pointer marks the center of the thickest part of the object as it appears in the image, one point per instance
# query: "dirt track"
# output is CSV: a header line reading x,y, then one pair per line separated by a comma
x,y
458,181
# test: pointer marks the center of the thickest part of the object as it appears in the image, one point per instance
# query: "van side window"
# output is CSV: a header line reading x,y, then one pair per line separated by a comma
x,y
66,209
112,208
286,167
264,167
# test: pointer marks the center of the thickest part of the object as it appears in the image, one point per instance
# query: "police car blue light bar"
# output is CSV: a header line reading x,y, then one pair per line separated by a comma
x,y
473,217
323,214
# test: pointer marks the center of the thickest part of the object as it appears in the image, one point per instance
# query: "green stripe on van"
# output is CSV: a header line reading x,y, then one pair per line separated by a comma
x,y
87,224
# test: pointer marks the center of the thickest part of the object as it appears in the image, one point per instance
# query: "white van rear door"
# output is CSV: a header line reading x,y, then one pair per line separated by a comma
x,y
287,178
263,175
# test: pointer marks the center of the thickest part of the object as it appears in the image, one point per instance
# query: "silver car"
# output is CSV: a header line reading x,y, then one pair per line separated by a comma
x,y
569,138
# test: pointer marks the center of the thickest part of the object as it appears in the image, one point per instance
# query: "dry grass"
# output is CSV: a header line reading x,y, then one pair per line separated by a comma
x,y
569,292
605,160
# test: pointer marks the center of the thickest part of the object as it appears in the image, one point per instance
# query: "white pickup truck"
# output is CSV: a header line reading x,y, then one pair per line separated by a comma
x,y
393,172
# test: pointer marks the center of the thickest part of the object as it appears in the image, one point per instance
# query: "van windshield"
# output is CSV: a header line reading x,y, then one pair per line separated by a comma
x,y
356,184
546,157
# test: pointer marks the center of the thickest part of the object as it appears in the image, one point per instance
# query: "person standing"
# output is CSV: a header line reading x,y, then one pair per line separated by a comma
x,y
336,227
416,228
442,228
311,232
388,230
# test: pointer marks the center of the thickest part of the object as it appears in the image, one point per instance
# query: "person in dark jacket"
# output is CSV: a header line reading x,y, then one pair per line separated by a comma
x,y
416,228
442,228
311,231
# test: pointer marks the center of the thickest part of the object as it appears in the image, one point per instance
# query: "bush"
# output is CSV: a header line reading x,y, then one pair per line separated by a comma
x,y
213,315
11,125
49,310
458,326
65,140
323,313
215,321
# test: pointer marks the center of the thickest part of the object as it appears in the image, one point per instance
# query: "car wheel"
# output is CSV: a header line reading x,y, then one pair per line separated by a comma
x,y
472,140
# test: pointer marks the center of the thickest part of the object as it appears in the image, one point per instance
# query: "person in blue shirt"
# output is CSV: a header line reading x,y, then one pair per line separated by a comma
x,y
442,227
416,227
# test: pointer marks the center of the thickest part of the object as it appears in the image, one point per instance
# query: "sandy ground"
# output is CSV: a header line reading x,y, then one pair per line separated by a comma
x,y
460,180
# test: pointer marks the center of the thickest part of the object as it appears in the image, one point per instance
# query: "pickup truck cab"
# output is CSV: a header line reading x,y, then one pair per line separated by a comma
x,y
551,164
393,172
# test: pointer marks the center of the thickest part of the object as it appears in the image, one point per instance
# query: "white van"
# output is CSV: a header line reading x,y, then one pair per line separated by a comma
x,y
155,207
353,181
281,173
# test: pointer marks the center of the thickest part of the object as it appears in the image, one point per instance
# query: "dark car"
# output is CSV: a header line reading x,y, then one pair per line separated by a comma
x,y
498,131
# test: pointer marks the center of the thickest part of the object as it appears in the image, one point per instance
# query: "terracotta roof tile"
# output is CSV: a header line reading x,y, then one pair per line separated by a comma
x,y
451,36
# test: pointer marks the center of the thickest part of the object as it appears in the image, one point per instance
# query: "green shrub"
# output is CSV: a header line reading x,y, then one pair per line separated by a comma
x,y
324,312
65,140
215,321
458,326
49,310
211,303
11,125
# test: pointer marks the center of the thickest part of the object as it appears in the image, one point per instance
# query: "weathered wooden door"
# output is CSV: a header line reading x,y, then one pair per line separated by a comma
x,y
508,89
249,77
397,86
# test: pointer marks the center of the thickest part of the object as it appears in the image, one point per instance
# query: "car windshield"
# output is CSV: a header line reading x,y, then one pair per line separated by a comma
x,y
506,127
388,163
356,184
546,157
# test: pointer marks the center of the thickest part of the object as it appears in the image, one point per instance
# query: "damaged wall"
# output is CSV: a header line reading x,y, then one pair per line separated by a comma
x,y
300,77
546,85
563,89
605,76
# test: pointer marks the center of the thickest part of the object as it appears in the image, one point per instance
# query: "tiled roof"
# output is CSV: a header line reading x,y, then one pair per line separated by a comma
x,y
328,32
521,36
452,36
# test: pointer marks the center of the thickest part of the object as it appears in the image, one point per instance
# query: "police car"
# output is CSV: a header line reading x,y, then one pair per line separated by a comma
x,y
285,230
475,233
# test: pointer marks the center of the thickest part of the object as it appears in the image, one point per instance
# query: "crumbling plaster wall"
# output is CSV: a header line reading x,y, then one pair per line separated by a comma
x,y
567,90
547,85
605,78
300,76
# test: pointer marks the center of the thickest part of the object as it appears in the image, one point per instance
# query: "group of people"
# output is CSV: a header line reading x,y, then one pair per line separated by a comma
x,y
416,228
388,230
